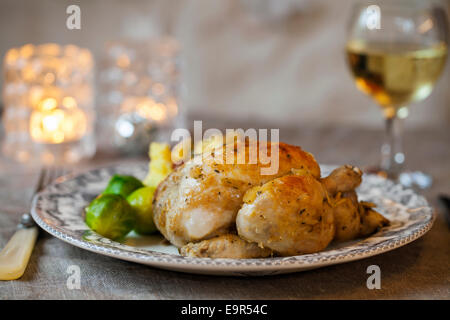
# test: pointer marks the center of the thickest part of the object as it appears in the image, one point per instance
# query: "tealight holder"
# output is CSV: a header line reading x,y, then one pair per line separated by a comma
x,y
48,99
139,91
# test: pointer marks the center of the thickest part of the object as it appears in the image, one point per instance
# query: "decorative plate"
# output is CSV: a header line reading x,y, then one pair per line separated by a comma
x,y
59,210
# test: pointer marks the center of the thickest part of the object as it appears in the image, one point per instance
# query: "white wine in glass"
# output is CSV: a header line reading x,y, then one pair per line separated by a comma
x,y
396,76
397,60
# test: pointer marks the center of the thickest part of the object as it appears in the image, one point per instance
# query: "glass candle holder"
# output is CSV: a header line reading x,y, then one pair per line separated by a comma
x,y
139,93
48,99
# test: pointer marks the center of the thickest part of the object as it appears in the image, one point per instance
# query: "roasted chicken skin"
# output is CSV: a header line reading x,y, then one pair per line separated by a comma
x,y
347,218
200,199
225,246
371,220
290,215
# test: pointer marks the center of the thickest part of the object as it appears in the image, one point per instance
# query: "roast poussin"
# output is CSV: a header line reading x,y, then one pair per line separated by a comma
x,y
200,199
230,210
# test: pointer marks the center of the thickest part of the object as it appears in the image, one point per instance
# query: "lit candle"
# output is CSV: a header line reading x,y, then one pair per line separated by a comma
x,y
57,125
48,98
146,108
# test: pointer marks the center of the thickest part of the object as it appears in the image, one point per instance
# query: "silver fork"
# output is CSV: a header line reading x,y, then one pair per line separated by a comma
x,y
15,255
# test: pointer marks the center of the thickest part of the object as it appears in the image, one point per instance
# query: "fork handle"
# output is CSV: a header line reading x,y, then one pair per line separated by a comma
x,y
15,255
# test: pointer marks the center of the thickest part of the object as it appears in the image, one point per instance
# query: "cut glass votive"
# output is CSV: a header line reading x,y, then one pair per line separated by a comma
x,y
48,104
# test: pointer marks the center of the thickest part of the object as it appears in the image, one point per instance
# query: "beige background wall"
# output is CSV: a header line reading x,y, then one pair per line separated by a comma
x,y
240,61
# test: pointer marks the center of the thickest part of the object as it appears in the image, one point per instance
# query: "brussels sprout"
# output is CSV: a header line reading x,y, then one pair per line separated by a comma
x,y
111,216
123,185
141,201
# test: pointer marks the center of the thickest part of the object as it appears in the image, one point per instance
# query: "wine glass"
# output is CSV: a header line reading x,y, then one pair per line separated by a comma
x,y
396,51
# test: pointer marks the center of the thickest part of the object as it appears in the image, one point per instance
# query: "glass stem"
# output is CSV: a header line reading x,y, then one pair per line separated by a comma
x,y
392,156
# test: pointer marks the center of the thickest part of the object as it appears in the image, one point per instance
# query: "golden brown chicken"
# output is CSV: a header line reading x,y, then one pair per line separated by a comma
x,y
346,214
200,199
353,219
290,215
225,246
211,207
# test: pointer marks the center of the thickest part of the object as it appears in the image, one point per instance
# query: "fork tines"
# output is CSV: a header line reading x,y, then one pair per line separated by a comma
x,y
47,175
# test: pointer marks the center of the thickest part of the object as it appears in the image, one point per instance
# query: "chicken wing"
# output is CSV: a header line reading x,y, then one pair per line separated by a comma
x,y
353,219
346,216
371,220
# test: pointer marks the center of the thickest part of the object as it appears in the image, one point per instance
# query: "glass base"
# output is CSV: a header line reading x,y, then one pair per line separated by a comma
x,y
48,154
409,179
413,179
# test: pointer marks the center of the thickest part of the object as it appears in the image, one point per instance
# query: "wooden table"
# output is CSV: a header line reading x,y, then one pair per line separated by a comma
x,y
418,270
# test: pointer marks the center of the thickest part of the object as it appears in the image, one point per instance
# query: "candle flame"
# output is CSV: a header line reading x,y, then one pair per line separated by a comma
x,y
57,126
123,61
48,104
69,102
154,111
